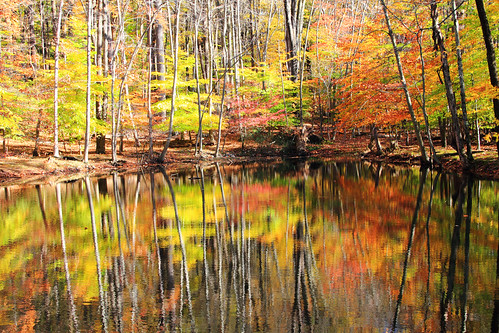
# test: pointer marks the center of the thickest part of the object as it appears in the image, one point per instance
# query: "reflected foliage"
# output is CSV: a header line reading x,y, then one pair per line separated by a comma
x,y
253,248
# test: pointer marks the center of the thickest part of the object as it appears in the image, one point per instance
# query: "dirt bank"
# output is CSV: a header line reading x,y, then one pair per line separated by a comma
x,y
18,167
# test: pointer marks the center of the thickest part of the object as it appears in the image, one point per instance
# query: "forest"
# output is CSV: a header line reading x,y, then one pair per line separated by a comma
x,y
165,74
212,165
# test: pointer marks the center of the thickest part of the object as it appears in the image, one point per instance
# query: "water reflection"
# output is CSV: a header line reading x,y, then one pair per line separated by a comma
x,y
311,247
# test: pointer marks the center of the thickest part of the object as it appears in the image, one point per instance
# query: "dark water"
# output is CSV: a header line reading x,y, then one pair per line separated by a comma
x,y
319,247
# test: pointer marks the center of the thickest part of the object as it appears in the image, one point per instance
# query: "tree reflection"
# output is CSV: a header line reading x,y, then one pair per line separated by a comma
x,y
72,306
162,320
448,294
422,179
495,314
322,247
102,295
184,268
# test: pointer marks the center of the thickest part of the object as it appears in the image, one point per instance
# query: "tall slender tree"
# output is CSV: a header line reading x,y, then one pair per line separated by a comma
x,y
467,135
175,51
225,65
103,32
491,60
158,50
424,156
89,81
56,79
199,141
439,41
293,25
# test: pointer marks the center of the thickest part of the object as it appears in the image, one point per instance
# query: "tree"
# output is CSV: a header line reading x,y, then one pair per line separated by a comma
x,y
467,136
293,25
424,157
491,60
104,35
56,80
89,80
449,90
175,50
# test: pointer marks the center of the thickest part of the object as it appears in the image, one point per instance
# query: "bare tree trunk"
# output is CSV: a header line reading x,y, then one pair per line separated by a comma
x,y
319,102
158,43
442,125
149,78
56,81
101,61
210,60
175,47
32,37
36,150
225,64
467,138
5,150
199,141
491,58
282,88
302,66
424,157
451,100
89,80
293,25
266,45
423,97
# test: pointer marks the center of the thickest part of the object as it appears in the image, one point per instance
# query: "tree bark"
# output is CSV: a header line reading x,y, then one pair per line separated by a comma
x,y
491,58
451,100
302,65
199,141
175,48
423,97
467,137
424,157
89,81
56,80
149,78
225,64
293,25
158,47
101,61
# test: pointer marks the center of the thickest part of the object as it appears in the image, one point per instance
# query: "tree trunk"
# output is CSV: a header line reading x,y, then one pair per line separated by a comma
x,y
375,138
293,25
424,157
491,58
56,80
423,97
442,124
225,64
302,65
149,78
266,45
4,141
175,49
158,44
210,60
199,141
101,60
451,100
36,150
89,81
32,36
467,137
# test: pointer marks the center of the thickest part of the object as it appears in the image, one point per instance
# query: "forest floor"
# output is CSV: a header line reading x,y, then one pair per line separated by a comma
x,y
17,166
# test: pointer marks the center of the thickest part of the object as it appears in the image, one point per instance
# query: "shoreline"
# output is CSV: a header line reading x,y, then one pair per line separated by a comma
x,y
20,169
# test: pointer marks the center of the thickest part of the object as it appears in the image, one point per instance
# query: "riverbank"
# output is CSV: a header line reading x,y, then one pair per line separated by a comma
x,y
18,167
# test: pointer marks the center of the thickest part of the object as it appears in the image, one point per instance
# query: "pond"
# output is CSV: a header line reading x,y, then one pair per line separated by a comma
x,y
316,246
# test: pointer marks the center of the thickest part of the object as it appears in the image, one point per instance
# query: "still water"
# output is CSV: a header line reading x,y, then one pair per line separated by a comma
x,y
323,247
